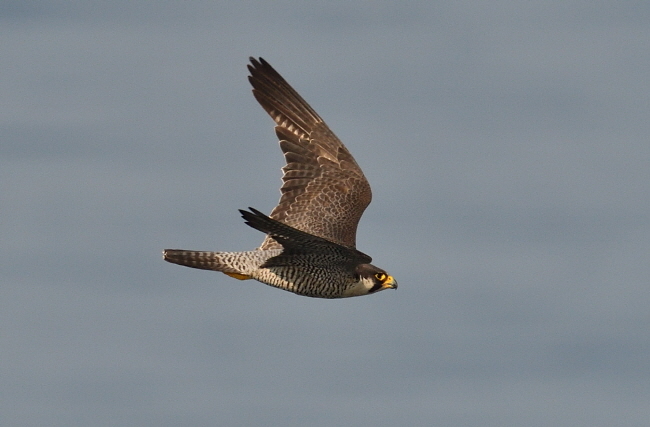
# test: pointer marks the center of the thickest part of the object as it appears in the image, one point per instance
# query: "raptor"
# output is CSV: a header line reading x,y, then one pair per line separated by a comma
x,y
310,244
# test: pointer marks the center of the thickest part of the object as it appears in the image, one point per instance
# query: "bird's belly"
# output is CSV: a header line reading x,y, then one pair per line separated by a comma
x,y
311,282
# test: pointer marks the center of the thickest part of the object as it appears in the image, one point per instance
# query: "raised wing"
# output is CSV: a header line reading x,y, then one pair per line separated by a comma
x,y
324,192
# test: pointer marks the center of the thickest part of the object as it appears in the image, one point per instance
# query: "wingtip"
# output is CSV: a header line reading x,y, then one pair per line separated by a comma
x,y
259,68
257,63
251,213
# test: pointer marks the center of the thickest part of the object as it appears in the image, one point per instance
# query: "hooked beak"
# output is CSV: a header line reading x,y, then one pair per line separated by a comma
x,y
389,283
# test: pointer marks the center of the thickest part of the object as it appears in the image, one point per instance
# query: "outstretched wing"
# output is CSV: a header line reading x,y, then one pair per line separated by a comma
x,y
324,191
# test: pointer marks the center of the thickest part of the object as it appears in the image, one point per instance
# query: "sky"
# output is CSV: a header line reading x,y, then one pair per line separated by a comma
x,y
507,147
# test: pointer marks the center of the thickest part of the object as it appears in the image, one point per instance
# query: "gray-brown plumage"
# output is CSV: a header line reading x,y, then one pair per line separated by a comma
x,y
310,248
320,176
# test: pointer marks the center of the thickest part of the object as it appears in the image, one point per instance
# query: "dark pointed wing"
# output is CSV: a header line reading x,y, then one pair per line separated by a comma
x,y
297,242
324,191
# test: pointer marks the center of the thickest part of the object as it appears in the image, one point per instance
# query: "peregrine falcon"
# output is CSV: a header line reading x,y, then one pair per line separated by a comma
x,y
310,244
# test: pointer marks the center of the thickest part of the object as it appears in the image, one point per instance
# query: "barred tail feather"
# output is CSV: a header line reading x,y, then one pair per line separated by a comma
x,y
240,265
198,259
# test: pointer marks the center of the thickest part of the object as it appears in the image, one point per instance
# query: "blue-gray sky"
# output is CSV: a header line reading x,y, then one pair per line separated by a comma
x,y
507,147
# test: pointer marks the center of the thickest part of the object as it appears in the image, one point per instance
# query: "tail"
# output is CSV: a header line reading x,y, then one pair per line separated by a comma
x,y
216,261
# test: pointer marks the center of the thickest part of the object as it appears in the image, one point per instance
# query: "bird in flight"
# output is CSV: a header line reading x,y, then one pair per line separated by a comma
x,y
310,244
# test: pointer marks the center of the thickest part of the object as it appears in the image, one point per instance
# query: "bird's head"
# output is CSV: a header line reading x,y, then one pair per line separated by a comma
x,y
373,279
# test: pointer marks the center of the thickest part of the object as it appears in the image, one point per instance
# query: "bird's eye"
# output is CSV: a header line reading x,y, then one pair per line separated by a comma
x,y
380,276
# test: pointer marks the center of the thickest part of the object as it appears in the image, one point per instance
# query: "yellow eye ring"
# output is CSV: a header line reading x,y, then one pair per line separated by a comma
x,y
380,276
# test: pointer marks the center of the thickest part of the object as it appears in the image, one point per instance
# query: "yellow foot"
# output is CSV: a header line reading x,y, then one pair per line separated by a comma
x,y
238,276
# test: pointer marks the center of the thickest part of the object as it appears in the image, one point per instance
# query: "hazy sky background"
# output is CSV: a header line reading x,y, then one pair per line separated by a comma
x,y
507,146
